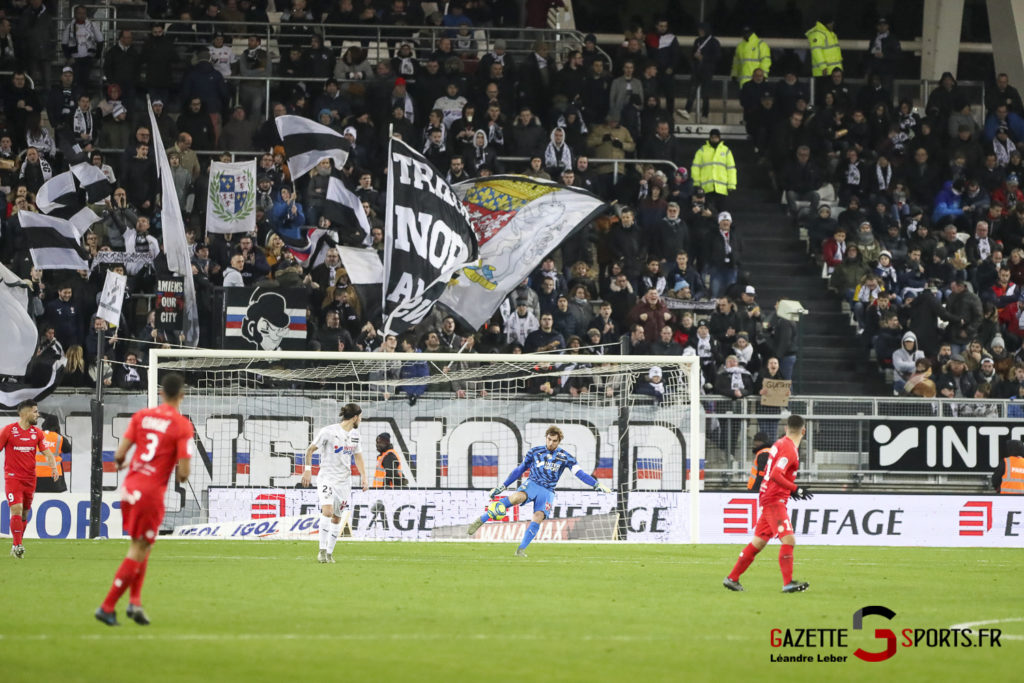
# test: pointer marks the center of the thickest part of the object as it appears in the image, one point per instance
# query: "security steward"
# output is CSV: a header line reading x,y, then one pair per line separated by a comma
x,y
1008,478
388,474
761,448
52,441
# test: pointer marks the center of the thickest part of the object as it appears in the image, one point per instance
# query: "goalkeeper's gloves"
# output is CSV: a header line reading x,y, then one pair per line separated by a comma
x,y
496,490
598,486
801,493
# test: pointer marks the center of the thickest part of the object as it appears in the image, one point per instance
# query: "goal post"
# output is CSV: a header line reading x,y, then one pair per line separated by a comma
x,y
459,424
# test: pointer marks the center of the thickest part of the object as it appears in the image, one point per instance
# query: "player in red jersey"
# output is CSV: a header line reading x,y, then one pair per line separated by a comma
x,y
163,439
20,442
778,486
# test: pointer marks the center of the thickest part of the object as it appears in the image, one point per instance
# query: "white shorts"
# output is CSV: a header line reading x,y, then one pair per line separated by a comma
x,y
330,493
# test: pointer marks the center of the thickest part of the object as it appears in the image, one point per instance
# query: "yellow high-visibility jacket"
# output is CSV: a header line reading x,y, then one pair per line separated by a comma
x,y
825,52
714,169
750,55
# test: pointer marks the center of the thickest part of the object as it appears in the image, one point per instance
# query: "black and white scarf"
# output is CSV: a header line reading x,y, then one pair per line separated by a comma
x,y
884,176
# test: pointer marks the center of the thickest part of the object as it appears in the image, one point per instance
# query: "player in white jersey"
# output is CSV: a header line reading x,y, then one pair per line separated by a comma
x,y
338,445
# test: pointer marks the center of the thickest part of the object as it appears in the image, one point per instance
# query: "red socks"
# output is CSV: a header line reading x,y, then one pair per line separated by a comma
x,y
746,557
17,528
126,574
786,563
135,596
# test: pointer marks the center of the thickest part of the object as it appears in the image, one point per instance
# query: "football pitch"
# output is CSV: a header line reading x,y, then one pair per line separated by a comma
x,y
227,611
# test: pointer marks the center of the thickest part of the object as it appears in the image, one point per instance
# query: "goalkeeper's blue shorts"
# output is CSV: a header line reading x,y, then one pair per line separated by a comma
x,y
543,499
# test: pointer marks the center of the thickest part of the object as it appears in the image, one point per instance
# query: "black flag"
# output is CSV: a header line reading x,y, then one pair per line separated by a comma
x,y
427,238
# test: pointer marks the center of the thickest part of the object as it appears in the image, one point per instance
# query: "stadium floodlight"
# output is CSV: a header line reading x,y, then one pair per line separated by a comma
x,y
459,424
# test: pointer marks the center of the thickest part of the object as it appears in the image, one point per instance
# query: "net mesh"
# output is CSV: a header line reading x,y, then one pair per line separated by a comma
x,y
458,427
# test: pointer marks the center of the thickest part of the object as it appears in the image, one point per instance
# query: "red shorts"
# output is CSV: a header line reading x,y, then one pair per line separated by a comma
x,y
142,514
19,492
774,521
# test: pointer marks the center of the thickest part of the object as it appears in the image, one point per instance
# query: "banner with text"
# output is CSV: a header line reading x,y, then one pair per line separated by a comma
x,y
939,445
427,238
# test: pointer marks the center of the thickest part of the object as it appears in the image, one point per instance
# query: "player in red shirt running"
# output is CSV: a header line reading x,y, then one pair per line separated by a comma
x,y
163,439
778,486
20,442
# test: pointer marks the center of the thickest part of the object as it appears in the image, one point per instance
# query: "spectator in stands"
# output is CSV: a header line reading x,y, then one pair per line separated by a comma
x,y
724,256
800,180
610,140
714,169
288,216
651,313
635,342
733,380
965,307
704,63
849,273
545,338
904,361
956,381
941,100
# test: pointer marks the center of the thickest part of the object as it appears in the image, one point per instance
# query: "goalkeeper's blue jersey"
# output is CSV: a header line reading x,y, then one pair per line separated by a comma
x,y
545,466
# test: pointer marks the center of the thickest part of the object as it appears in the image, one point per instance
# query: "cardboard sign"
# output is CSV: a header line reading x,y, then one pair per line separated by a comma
x,y
778,393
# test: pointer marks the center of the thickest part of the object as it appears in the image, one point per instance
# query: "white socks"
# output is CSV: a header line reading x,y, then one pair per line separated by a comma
x,y
332,537
325,525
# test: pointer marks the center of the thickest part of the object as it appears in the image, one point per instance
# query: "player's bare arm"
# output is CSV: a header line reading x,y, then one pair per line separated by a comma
x,y
51,461
184,468
307,473
121,454
358,457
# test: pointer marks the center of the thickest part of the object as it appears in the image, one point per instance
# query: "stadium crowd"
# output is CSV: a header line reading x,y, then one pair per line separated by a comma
x,y
930,204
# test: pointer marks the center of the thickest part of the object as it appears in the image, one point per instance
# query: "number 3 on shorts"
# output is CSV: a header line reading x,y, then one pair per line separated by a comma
x,y
152,441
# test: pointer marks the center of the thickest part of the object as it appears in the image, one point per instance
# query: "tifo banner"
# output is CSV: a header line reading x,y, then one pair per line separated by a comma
x,y
170,304
66,515
231,205
112,298
939,445
264,319
517,221
427,237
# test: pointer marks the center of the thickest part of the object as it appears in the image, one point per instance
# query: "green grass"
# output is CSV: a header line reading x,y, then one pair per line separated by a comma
x,y
263,611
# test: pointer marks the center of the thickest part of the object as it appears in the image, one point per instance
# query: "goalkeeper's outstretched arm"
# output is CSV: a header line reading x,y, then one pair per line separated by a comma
x,y
582,475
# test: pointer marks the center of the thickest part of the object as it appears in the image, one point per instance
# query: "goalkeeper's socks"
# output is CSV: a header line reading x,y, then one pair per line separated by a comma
x,y
17,528
325,531
135,595
746,557
486,517
333,531
786,563
124,578
531,531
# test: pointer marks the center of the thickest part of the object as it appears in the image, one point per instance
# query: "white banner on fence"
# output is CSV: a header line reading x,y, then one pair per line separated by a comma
x,y
422,515
112,298
66,515
663,517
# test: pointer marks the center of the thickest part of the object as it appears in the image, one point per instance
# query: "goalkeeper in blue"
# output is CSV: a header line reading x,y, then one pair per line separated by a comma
x,y
546,464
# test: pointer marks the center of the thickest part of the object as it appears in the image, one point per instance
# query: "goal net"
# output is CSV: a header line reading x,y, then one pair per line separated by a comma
x,y
458,424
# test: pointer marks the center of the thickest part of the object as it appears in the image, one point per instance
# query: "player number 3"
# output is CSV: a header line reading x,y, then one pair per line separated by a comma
x,y
152,440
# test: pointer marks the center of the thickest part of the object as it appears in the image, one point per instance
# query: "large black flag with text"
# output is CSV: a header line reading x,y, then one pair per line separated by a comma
x,y
427,238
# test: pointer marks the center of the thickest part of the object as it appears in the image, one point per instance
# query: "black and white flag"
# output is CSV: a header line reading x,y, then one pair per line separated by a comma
x,y
67,195
345,212
427,238
59,192
53,242
307,143
92,182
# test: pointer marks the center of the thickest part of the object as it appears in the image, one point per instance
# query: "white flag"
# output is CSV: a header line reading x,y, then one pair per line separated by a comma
x,y
231,199
179,255
19,330
112,298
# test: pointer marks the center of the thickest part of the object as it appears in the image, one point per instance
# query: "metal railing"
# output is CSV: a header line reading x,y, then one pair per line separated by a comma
x,y
917,90
834,454
614,162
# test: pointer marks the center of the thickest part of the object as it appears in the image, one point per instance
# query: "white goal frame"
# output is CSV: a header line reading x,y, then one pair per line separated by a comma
x,y
688,366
